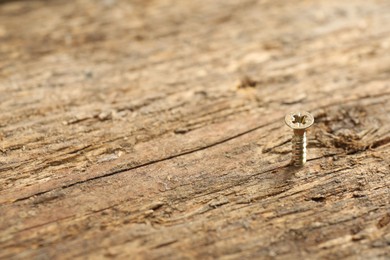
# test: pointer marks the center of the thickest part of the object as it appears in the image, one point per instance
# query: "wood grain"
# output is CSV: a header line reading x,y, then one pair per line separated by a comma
x,y
154,129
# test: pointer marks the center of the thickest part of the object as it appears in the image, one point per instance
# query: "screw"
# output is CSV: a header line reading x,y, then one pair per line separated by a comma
x,y
299,122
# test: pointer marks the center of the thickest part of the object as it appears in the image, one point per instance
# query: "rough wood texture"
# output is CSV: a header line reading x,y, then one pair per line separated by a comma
x,y
153,129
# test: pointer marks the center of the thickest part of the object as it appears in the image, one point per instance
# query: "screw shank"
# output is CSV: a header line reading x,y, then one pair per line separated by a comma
x,y
299,148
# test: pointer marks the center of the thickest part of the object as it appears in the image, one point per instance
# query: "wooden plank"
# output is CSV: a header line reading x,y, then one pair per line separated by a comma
x,y
154,129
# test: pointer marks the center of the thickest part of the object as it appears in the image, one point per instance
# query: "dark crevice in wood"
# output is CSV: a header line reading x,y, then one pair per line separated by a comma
x,y
318,199
152,162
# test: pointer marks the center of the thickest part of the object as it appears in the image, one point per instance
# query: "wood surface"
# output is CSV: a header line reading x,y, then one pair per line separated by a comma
x,y
153,129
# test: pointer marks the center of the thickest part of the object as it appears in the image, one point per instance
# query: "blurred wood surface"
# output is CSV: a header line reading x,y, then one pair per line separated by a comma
x,y
154,129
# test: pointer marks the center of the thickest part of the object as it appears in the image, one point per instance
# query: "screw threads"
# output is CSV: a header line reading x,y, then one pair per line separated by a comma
x,y
299,148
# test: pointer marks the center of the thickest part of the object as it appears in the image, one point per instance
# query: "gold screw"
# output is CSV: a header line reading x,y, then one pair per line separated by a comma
x,y
299,122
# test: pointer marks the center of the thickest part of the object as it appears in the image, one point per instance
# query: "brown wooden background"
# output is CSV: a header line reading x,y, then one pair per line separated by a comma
x,y
153,129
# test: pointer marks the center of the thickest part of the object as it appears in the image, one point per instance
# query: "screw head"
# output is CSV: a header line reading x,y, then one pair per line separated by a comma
x,y
299,120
